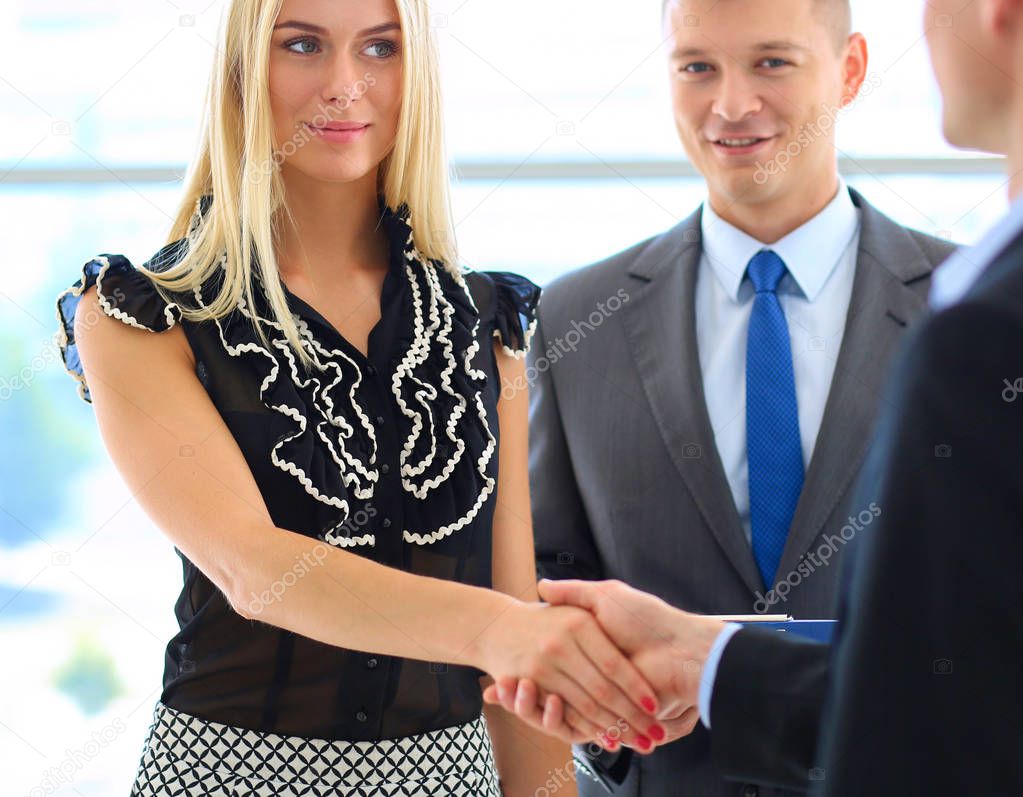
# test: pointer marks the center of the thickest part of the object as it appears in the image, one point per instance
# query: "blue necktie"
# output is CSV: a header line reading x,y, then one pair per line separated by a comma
x,y
772,420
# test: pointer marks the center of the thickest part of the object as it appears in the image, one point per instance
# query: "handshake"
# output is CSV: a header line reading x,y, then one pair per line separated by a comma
x,y
606,663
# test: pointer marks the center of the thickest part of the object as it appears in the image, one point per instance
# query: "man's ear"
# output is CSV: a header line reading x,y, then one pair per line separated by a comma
x,y
1001,18
854,70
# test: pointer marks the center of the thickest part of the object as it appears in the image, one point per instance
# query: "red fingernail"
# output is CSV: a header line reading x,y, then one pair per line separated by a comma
x,y
656,731
643,742
648,703
612,745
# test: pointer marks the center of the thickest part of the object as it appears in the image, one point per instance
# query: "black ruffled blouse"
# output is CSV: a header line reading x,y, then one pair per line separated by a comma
x,y
391,456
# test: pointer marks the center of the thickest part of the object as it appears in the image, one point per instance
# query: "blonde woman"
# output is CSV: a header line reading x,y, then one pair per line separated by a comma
x,y
315,426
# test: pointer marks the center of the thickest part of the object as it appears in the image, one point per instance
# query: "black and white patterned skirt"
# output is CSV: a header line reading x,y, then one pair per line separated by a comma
x,y
184,755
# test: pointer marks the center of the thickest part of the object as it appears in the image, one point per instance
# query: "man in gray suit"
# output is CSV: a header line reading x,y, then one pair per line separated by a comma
x,y
703,400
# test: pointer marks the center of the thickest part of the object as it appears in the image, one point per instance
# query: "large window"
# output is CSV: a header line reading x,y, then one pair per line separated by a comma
x,y
564,151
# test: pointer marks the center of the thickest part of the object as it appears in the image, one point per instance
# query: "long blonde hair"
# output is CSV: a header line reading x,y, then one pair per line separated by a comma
x,y
237,139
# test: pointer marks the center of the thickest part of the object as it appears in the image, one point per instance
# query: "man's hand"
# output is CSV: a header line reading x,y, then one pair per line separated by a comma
x,y
667,645
564,650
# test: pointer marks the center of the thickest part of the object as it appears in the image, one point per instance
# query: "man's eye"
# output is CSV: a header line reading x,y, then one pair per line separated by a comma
x,y
696,68
775,62
292,43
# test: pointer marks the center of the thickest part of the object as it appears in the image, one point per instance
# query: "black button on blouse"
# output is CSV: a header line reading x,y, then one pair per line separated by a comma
x,y
391,456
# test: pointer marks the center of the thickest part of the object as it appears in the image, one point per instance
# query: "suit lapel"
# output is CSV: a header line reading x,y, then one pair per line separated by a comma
x,y
881,306
660,325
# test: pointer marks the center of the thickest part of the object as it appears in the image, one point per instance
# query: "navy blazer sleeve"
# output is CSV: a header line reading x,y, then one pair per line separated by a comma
x,y
765,711
926,694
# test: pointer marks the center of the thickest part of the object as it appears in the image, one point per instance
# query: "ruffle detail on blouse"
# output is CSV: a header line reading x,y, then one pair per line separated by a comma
x,y
440,395
515,313
332,448
124,294
446,446
443,430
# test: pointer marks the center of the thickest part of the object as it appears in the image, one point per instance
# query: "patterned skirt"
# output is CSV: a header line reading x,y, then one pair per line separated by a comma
x,y
184,755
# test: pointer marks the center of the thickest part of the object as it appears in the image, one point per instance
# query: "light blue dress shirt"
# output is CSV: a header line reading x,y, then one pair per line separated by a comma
x,y
949,283
953,278
821,259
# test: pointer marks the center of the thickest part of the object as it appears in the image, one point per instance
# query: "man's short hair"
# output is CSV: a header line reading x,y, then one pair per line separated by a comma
x,y
837,14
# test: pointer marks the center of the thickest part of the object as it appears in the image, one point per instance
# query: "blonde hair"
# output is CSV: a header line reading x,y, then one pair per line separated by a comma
x,y
237,149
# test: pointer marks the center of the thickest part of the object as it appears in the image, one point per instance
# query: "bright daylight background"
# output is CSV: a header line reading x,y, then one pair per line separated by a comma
x,y
560,132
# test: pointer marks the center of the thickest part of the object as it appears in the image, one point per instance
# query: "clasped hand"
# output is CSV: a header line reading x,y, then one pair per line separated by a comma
x,y
635,667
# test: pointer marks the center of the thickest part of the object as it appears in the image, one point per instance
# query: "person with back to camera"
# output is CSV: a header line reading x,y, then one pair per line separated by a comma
x,y
315,426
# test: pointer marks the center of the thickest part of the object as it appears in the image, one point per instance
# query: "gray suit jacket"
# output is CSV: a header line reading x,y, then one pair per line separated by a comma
x,y
625,476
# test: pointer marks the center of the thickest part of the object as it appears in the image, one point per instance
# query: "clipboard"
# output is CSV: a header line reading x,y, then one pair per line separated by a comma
x,y
816,630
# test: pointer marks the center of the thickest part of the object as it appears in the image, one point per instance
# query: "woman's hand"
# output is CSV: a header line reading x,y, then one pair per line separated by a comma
x,y
563,651
547,712
666,645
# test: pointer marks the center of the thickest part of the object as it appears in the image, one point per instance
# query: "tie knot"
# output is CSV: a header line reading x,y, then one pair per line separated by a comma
x,y
765,271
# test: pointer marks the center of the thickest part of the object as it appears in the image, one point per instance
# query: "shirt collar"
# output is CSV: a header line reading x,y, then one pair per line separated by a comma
x,y
956,276
811,251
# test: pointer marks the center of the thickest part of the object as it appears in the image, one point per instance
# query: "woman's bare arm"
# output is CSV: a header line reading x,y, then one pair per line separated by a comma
x,y
185,469
526,757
